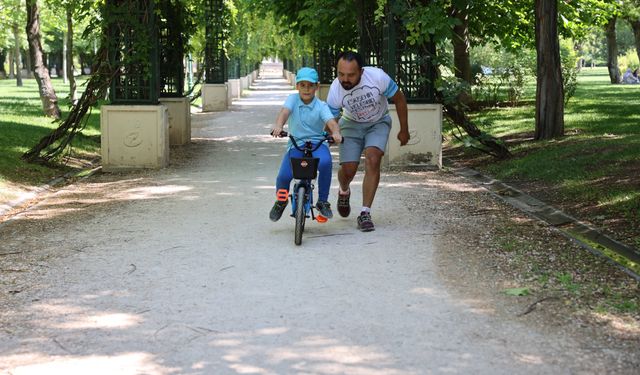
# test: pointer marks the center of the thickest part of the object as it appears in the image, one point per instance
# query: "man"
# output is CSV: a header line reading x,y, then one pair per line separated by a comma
x,y
362,93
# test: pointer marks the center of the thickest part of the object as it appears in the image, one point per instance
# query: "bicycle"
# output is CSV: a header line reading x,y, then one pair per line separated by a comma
x,y
305,170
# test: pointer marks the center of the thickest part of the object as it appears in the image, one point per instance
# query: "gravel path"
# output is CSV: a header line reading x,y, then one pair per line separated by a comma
x,y
179,271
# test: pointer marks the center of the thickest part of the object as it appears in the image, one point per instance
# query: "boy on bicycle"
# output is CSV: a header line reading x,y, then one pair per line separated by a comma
x,y
307,117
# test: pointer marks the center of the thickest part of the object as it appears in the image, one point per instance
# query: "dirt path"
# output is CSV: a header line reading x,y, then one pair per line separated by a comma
x,y
180,271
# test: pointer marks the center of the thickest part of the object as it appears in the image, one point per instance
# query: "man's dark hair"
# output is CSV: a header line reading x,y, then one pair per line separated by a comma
x,y
350,56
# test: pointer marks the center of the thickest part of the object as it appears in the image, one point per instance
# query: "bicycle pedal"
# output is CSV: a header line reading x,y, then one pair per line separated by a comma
x,y
321,219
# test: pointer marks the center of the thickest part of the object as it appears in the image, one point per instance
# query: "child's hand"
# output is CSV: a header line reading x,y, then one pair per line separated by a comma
x,y
276,131
337,137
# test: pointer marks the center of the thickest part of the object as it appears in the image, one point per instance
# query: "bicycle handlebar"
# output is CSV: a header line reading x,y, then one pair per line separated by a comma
x,y
327,137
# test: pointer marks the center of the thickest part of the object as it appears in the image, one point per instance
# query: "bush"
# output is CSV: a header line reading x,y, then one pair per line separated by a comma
x,y
570,69
507,77
628,60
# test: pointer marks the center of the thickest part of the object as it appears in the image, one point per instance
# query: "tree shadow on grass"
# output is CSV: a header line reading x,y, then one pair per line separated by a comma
x,y
15,139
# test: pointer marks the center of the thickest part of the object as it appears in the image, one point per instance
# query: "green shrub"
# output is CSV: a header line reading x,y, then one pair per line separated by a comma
x,y
628,60
570,69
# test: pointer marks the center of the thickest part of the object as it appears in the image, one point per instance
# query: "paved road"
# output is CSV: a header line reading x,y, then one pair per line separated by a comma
x,y
179,271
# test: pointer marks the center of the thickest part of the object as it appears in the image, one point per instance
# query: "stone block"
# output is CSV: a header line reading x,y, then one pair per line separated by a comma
x,y
244,84
323,91
134,137
425,147
234,88
214,97
179,112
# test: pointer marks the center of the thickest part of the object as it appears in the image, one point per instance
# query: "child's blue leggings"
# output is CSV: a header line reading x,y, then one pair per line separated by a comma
x,y
285,175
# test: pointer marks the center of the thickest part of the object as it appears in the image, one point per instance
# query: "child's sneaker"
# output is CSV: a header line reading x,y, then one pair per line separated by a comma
x,y
325,209
364,222
277,209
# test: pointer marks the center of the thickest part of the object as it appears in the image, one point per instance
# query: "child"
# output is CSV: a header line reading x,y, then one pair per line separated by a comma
x,y
307,117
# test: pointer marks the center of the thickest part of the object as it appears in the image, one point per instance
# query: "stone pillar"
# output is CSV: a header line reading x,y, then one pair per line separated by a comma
x,y
179,112
244,83
235,91
214,97
134,136
323,91
424,149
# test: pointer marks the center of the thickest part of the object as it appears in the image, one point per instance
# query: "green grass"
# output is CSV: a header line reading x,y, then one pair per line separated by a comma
x,y
596,163
22,125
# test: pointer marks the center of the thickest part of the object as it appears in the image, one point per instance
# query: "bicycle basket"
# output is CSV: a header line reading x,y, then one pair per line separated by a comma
x,y
304,168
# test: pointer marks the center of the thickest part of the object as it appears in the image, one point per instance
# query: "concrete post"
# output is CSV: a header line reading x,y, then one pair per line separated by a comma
x,y
323,91
179,112
425,147
134,136
214,97
244,84
234,88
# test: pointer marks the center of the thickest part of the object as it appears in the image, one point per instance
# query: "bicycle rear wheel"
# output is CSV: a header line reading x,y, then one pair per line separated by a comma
x,y
301,214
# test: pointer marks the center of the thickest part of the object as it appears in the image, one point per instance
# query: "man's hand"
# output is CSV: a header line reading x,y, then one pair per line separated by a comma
x,y
337,137
403,137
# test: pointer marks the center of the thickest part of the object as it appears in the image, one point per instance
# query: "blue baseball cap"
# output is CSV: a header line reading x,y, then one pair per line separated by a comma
x,y
307,74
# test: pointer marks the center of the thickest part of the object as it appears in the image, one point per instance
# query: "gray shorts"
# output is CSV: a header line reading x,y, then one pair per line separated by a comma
x,y
358,136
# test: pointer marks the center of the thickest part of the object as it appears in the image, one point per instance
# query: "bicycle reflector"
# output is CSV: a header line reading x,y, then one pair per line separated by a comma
x,y
304,168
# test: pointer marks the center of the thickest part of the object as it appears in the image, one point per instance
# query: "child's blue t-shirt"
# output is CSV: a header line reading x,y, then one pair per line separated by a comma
x,y
307,121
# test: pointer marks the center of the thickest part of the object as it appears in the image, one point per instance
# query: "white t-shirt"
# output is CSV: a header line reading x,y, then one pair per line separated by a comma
x,y
367,101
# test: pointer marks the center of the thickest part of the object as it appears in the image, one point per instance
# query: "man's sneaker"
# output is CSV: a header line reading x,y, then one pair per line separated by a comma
x,y
364,222
325,209
344,209
277,209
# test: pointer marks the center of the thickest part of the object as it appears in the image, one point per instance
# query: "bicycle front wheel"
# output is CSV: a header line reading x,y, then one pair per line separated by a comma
x,y
301,214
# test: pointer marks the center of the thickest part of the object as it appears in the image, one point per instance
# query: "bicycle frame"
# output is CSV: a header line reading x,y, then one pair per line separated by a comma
x,y
302,195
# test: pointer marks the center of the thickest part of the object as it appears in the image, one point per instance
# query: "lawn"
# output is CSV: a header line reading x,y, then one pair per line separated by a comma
x,y
592,172
22,125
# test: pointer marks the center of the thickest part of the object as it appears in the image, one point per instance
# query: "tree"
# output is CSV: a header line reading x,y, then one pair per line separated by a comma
x,y
326,22
12,17
461,42
17,56
612,50
631,12
69,68
62,13
47,93
549,90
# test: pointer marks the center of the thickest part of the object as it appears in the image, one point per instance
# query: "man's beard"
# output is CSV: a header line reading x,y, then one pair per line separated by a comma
x,y
347,85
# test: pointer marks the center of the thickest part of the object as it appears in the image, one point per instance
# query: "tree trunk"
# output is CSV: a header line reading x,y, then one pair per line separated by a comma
x,y
47,93
612,51
28,66
11,64
3,58
16,53
549,90
461,45
64,57
69,65
635,25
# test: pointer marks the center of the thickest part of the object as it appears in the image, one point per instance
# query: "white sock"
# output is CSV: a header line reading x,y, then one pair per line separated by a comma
x,y
366,209
342,192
